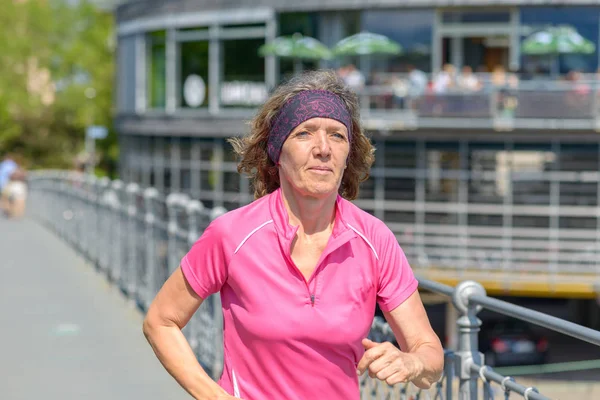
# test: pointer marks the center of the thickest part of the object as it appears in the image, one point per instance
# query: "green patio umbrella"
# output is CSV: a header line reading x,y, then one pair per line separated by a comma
x,y
555,41
297,47
366,43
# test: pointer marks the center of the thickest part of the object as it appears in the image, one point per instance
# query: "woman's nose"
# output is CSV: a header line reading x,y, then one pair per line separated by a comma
x,y
323,147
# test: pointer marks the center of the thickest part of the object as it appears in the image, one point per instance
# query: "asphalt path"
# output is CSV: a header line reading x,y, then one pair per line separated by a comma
x,y
65,333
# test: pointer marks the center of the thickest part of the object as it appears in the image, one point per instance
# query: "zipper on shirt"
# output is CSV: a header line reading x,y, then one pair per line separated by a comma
x,y
339,242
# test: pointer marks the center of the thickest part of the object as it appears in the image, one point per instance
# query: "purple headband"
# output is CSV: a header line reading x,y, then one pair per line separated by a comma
x,y
302,107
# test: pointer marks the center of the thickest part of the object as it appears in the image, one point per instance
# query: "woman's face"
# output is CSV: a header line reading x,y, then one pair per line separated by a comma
x,y
313,157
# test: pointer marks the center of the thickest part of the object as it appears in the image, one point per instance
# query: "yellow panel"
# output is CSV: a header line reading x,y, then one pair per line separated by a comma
x,y
499,283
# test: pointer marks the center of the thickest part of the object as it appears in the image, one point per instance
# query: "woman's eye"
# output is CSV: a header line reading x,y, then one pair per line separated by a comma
x,y
302,133
339,136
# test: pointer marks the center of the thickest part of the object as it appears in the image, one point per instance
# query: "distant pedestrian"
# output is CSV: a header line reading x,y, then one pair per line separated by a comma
x,y
14,194
8,165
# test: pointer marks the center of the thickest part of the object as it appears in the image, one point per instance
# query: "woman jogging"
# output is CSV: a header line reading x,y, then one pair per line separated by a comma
x,y
300,269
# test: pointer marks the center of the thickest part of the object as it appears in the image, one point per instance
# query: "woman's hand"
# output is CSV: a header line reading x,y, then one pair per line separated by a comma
x,y
387,363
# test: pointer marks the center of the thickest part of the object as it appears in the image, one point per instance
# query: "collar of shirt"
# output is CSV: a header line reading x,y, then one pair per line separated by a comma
x,y
286,233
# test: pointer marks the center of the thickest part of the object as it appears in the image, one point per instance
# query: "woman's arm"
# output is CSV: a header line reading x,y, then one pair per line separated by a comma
x,y
421,357
414,334
170,311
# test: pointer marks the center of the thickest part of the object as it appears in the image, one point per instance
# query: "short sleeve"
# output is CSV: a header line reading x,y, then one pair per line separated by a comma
x,y
396,278
205,265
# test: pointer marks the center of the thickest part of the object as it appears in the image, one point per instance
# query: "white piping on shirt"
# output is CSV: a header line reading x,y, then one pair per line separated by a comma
x,y
365,239
236,389
250,234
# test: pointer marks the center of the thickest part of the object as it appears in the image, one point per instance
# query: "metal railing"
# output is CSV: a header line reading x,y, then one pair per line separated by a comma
x,y
527,104
136,237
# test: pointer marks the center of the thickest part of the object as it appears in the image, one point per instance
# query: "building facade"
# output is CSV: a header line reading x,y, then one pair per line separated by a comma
x,y
467,183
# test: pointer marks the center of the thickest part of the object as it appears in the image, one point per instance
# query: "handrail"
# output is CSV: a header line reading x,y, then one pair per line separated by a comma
x,y
435,286
525,314
547,321
507,382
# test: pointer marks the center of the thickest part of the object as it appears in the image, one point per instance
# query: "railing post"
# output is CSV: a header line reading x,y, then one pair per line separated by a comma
x,y
150,198
116,236
175,203
217,313
103,225
89,218
130,266
69,210
468,328
449,362
77,182
596,105
193,209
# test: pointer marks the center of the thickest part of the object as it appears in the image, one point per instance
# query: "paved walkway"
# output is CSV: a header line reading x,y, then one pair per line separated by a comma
x,y
64,332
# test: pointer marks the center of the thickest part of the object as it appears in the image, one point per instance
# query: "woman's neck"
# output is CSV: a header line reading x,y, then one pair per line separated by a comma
x,y
313,215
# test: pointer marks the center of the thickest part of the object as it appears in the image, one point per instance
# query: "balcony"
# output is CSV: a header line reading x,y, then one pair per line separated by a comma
x,y
542,104
530,104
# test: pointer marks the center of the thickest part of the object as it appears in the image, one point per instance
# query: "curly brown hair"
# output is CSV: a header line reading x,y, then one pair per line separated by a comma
x,y
252,148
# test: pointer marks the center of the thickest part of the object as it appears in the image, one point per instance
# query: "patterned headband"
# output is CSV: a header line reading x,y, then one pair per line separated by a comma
x,y
302,107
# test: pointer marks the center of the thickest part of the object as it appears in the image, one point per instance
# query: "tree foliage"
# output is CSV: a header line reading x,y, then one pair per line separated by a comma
x,y
56,78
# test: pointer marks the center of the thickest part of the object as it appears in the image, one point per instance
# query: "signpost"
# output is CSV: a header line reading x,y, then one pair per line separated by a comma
x,y
93,133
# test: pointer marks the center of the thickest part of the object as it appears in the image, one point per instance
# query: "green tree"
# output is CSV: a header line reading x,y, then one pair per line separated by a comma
x,y
56,78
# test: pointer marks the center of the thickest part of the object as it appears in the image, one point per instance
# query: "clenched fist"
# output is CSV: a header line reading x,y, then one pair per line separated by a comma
x,y
388,363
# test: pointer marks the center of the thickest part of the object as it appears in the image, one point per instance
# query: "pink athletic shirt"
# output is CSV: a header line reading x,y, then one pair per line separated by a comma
x,y
286,338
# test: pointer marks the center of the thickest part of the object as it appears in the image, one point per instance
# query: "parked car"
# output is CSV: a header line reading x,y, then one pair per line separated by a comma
x,y
512,342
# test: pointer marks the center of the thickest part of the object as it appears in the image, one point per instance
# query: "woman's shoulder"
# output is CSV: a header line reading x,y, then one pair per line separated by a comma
x,y
240,221
366,223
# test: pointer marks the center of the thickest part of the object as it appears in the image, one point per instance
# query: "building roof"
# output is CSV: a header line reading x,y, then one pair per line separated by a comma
x,y
133,9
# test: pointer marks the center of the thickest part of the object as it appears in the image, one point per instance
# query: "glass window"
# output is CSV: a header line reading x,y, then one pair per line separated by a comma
x,y
580,189
411,28
126,73
475,16
194,29
485,220
228,153
577,223
185,151
367,189
529,167
243,83
304,23
442,168
193,74
207,147
399,216
399,155
583,19
186,180
157,69
308,25
231,182
488,172
207,180
579,157
400,160
399,188
244,25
